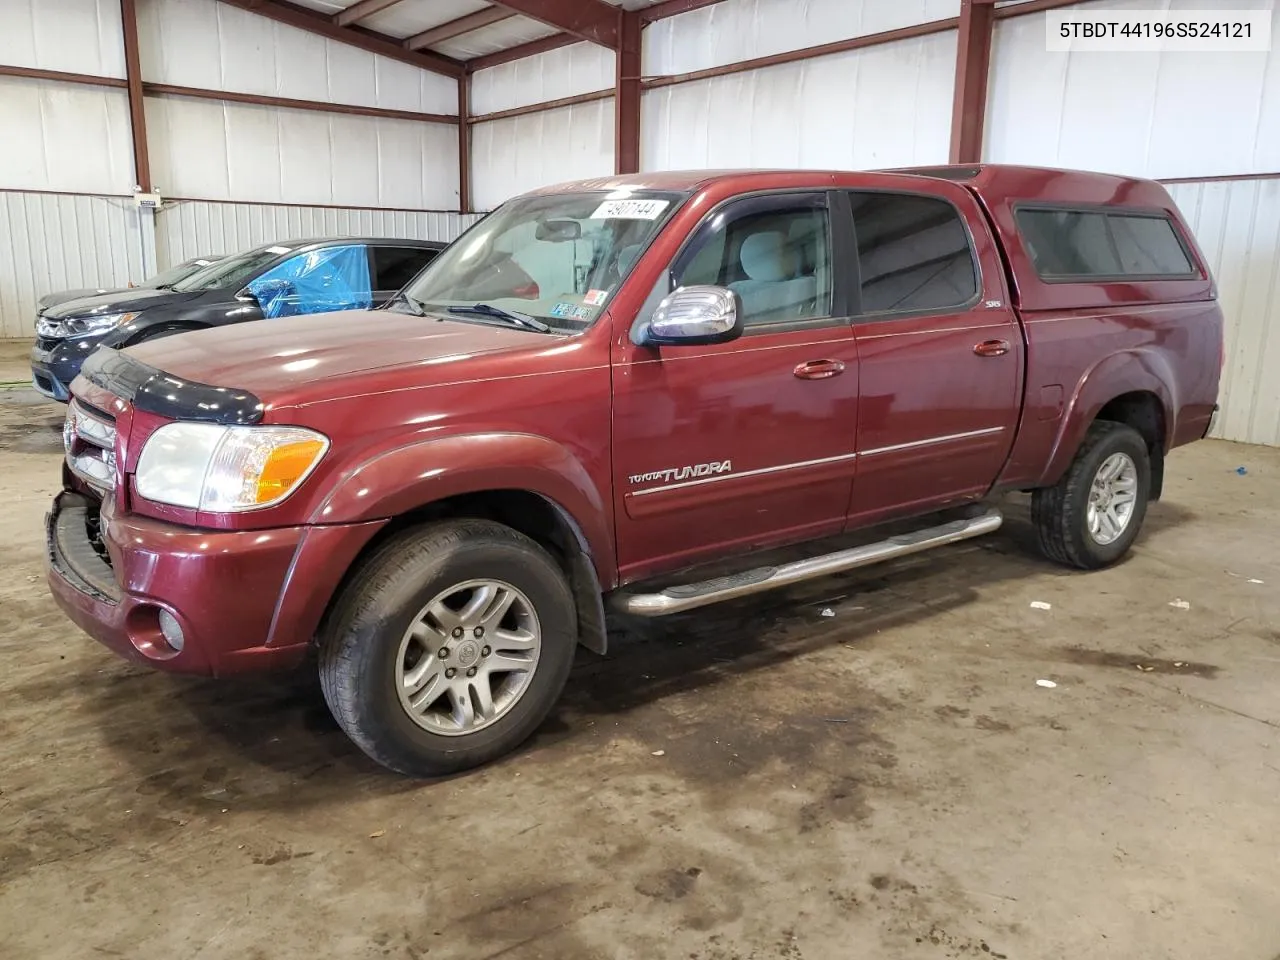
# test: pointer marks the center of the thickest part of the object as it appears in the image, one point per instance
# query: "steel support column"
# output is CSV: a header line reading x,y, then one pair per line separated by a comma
x,y
973,66
464,144
626,100
137,112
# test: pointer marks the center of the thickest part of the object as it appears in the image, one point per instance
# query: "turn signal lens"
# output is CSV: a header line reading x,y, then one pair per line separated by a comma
x,y
286,466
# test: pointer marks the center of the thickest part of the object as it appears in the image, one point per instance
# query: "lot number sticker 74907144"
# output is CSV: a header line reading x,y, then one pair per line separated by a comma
x,y
630,210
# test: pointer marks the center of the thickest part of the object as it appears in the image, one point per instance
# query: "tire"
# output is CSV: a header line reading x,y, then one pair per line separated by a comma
x,y
1061,514
369,653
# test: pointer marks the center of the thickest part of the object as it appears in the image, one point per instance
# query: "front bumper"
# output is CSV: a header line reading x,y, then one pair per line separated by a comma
x,y
247,601
55,363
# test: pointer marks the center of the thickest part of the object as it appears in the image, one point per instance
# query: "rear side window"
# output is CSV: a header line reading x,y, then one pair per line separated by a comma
x,y
913,253
1069,244
394,267
1148,245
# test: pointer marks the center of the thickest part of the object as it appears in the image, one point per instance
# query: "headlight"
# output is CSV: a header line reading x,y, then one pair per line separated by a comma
x,y
226,469
83,326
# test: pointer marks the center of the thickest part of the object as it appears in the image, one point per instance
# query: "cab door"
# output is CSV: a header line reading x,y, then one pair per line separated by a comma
x,y
749,443
940,350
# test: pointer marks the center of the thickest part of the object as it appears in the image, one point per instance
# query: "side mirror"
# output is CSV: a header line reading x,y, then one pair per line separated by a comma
x,y
695,315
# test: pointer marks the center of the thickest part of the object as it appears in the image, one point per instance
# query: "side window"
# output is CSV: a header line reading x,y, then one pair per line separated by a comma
x,y
913,253
320,281
778,260
1148,246
394,267
1068,244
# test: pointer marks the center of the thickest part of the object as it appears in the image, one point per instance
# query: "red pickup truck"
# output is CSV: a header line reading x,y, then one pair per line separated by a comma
x,y
603,386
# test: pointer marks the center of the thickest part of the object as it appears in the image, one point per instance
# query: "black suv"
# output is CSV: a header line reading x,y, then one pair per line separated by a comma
x,y
164,278
278,280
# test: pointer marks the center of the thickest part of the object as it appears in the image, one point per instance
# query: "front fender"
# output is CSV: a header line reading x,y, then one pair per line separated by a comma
x,y
404,479
1129,371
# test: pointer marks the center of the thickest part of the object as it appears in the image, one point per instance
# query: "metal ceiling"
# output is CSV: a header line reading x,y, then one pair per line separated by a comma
x,y
458,29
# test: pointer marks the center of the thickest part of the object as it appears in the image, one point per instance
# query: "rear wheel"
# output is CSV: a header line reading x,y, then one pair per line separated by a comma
x,y
449,648
1094,513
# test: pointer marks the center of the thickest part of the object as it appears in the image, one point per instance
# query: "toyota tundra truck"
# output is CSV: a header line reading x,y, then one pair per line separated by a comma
x,y
605,389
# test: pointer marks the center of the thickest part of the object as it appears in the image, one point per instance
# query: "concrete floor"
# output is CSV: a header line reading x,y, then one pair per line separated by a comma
x,y
754,781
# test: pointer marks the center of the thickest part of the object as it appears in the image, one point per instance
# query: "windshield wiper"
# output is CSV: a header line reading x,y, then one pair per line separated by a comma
x,y
416,307
489,310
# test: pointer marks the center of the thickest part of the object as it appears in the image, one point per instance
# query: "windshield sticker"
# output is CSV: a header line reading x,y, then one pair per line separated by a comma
x,y
595,297
630,210
581,313
563,309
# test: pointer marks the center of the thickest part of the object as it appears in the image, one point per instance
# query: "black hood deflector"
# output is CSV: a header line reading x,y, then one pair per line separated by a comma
x,y
154,391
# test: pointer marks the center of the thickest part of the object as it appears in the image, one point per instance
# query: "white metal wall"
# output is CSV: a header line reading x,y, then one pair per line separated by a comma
x,y
1237,224
886,105
1148,114
212,150
566,72
879,106
215,150
194,228
203,43
517,154
511,156
55,242
75,36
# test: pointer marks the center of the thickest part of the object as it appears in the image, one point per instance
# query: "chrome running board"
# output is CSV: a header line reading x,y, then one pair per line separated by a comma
x,y
687,596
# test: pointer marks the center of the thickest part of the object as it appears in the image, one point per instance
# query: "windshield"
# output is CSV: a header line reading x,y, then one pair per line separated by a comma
x,y
557,258
231,272
171,276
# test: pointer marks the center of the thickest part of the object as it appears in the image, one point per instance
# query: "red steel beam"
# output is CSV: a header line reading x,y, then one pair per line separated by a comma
x,y
358,11
1033,6
673,8
973,68
530,49
543,106
592,20
454,28
317,106
137,112
806,53
304,18
626,103
464,145
33,73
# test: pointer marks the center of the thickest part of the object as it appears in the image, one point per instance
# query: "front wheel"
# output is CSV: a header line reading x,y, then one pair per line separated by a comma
x,y
1092,516
449,648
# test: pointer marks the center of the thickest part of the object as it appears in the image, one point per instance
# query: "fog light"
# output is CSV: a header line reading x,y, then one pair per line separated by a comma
x,y
171,630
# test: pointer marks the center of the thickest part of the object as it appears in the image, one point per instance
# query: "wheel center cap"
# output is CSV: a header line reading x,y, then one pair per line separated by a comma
x,y
468,653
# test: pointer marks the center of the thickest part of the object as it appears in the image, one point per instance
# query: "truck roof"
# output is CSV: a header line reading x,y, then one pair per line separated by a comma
x,y
992,181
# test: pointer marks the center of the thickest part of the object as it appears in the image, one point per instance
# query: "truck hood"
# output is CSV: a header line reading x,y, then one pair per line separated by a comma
x,y
120,301
279,360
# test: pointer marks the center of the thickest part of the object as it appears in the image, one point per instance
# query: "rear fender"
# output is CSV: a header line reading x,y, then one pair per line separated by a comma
x,y
1119,373
408,478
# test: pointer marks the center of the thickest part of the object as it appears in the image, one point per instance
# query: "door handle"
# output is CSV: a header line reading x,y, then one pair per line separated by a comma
x,y
992,348
819,369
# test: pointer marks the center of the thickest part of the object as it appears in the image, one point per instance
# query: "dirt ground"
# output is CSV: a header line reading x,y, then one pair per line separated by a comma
x,y
756,780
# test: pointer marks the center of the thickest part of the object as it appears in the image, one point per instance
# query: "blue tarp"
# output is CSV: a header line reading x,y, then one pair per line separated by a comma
x,y
332,278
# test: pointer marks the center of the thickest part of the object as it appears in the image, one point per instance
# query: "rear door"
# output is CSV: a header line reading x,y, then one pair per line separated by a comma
x,y
939,347
392,267
748,443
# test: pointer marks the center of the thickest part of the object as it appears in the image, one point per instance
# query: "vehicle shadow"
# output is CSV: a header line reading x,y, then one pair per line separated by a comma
x,y
270,741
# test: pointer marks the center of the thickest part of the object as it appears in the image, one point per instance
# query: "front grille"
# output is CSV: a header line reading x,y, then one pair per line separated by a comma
x,y
89,437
